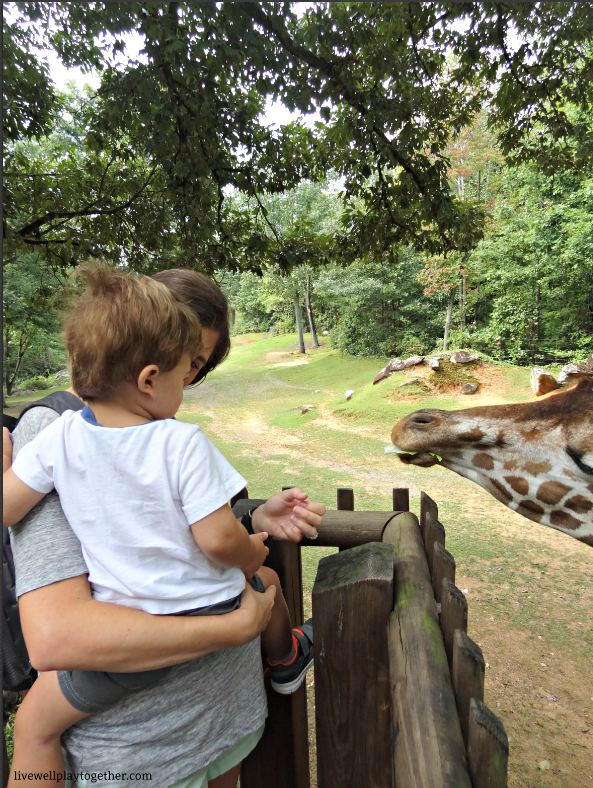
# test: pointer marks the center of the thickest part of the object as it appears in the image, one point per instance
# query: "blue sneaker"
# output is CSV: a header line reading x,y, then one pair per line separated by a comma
x,y
288,676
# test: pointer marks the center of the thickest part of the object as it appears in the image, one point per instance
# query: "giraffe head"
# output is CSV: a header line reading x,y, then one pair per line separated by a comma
x,y
536,457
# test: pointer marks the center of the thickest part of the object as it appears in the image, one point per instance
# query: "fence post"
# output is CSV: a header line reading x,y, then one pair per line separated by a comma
x,y
352,600
345,503
426,505
467,673
487,747
433,532
401,499
443,566
453,616
281,759
428,748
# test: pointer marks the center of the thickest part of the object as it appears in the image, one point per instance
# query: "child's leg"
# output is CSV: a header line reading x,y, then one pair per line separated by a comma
x,y
42,717
277,636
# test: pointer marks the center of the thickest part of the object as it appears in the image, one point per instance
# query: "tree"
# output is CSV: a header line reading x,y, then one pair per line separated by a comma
x,y
392,81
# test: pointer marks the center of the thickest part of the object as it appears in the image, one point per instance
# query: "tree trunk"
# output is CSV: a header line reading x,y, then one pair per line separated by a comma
x,y
310,312
479,185
298,315
462,303
536,324
233,316
448,318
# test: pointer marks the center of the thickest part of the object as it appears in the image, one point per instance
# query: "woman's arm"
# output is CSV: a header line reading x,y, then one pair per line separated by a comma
x,y
288,515
17,498
65,629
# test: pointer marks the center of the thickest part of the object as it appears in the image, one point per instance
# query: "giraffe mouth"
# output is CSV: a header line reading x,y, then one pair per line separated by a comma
x,y
423,459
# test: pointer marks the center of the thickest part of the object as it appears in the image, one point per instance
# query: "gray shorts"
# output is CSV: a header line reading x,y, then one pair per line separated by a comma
x,y
91,691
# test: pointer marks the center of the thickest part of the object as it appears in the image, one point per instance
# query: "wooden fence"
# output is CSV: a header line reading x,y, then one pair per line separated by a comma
x,y
399,685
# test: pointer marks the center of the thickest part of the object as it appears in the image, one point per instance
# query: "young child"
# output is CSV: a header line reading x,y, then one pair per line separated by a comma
x,y
145,495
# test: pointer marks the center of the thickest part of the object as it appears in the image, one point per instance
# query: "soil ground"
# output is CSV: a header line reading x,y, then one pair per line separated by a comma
x,y
529,588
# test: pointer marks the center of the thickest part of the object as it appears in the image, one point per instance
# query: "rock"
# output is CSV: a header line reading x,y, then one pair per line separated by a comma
x,y
435,364
589,363
305,408
409,382
413,361
571,372
469,388
349,393
326,333
461,357
63,373
381,376
542,381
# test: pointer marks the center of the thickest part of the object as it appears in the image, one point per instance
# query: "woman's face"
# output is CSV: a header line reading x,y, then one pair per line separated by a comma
x,y
209,340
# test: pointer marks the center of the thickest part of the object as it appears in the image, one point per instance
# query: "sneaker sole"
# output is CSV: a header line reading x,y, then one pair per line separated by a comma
x,y
292,686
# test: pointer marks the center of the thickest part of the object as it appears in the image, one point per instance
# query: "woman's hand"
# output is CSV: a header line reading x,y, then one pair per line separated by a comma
x,y
288,515
253,616
6,449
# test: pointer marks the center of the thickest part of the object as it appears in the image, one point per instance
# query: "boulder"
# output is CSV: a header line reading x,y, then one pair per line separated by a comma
x,y
63,373
325,333
413,361
589,363
461,357
305,408
435,364
409,382
571,372
395,365
542,381
349,393
382,375
469,388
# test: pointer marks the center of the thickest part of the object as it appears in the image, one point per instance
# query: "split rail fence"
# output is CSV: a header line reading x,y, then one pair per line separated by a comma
x,y
399,685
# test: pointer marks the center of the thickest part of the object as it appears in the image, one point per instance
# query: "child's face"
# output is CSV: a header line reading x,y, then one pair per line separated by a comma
x,y
168,389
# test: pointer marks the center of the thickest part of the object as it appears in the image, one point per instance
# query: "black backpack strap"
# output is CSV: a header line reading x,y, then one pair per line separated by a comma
x,y
60,401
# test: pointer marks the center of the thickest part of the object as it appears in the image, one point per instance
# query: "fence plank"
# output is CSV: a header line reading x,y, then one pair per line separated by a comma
x,y
401,499
433,532
453,616
345,496
349,529
467,673
426,505
487,748
428,749
240,496
352,600
281,759
443,566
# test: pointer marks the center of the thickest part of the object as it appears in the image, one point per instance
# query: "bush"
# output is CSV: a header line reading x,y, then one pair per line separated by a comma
x,y
37,383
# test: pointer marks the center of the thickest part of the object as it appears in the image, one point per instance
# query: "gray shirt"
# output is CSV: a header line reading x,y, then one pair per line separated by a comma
x,y
165,732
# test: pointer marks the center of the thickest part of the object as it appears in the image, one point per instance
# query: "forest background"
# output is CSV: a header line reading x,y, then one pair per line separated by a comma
x,y
436,180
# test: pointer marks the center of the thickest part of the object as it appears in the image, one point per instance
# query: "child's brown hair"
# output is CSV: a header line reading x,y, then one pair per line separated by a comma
x,y
122,323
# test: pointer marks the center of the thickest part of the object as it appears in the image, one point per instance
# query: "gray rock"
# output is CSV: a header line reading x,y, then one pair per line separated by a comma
x,y
413,361
571,372
63,373
461,357
395,365
381,375
542,381
326,333
409,382
469,388
435,363
305,408
349,393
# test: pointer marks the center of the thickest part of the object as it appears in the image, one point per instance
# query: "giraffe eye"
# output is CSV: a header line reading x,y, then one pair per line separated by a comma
x,y
422,420
583,461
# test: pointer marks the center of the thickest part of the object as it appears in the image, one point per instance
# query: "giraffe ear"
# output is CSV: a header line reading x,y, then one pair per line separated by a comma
x,y
423,459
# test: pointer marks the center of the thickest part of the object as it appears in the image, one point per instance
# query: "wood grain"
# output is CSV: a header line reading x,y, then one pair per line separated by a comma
x,y
352,600
443,566
428,749
401,499
487,748
467,674
453,616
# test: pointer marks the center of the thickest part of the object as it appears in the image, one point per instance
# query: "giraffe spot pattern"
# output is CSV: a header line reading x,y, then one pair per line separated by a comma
x,y
571,475
530,435
535,468
564,520
535,510
510,465
579,504
472,435
551,492
483,460
586,540
518,483
502,489
500,442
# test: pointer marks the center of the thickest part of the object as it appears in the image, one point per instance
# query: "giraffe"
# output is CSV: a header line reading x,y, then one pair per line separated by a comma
x,y
535,457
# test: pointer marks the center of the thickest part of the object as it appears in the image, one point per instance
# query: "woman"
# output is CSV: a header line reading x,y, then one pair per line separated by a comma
x,y
177,733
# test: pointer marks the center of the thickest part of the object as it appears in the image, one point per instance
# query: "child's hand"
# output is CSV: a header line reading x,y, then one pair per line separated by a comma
x,y
6,449
289,515
259,554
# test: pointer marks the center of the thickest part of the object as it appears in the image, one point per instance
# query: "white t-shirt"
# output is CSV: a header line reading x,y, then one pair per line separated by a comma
x,y
130,495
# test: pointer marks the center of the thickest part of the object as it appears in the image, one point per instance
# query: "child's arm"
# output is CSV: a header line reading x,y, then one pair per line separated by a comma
x,y
222,538
19,499
6,450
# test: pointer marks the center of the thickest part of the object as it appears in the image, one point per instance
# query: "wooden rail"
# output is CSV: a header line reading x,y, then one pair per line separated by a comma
x,y
399,685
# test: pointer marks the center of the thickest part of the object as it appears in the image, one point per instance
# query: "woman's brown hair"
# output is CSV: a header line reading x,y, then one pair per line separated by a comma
x,y
208,302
